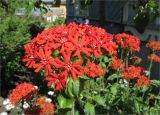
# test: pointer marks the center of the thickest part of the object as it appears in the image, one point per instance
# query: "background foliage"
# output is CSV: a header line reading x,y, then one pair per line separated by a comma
x,y
15,31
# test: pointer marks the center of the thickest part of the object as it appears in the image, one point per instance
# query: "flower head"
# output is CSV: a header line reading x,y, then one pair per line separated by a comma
x,y
155,45
93,70
128,41
142,81
21,92
117,63
132,72
74,43
154,57
41,107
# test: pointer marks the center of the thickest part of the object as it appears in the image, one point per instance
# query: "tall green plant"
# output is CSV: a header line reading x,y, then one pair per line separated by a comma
x,y
15,31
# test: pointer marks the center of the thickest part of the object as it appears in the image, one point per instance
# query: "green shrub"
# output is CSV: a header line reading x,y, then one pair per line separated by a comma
x,y
15,31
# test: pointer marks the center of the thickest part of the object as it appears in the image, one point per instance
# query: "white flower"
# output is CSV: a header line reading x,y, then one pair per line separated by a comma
x,y
123,82
25,105
4,113
9,107
50,93
6,101
48,100
147,72
36,87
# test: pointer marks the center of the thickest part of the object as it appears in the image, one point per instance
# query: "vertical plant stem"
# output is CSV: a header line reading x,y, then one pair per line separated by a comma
x,y
126,57
150,67
73,108
127,61
151,63
122,51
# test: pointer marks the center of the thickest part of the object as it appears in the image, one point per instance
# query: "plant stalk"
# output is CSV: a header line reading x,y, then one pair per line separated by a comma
x,y
150,66
73,108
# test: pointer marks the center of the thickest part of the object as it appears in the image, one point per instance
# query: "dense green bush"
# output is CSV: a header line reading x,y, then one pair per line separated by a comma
x,y
15,31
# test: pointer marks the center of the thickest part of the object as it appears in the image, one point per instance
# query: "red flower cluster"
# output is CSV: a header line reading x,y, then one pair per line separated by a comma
x,y
41,107
73,42
154,57
155,45
93,70
59,80
133,72
128,41
117,63
135,60
21,92
142,80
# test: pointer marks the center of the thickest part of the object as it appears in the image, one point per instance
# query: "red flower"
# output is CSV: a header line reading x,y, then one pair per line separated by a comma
x,y
95,45
132,72
128,41
60,80
102,39
41,107
30,56
154,57
93,70
142,80
40,101
74,42
117,63
22,91
155,45
48,109
61,41
44,60
107,43
74,68
81,45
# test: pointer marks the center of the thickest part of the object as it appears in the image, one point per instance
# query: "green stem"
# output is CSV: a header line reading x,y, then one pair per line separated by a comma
x,y
122,51
73,109
127,61
150,67
151,63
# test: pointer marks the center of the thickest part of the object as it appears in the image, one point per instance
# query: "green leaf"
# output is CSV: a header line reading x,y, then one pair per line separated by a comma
x,y
69,88
103,65
65,103
89,109
144,88
53,86
137,106
106,59
56,52
71,113
43,10
157,97
99,99
113,76
155,82
114,89
153,111
76,85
